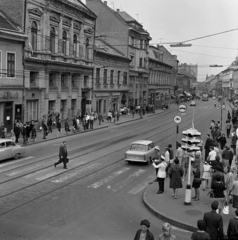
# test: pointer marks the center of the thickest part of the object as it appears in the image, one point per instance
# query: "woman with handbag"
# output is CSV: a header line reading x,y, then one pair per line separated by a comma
x,y
206,175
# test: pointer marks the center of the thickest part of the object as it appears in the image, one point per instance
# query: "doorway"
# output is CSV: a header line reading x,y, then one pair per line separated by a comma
x,y
8,116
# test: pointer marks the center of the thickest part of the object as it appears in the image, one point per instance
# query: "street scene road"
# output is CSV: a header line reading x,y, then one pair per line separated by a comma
x,y
100,195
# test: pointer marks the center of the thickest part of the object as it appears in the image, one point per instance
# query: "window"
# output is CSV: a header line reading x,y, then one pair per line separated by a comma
x,y
97,75
51,80
105,77
85,81
132,41
141,62
33,77
52,40
118,77
87,49
0,64
125,78
64,43
34,36
31,110
75,45
11,64
63,80
132,61
74,81
141,44
111,77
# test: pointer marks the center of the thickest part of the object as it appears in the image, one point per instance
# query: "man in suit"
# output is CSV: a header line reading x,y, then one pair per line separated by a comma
x,y
208,145
214,222
62,155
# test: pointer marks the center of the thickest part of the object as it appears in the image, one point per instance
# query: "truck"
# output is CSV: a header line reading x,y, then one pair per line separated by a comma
x,y
205,97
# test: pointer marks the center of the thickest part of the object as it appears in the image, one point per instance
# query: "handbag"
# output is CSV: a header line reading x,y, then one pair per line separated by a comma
x,y
67,160
197,180
225,210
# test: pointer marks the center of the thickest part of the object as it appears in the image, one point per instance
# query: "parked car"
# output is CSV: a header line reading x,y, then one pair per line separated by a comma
x,y
9,149
192,103
141,151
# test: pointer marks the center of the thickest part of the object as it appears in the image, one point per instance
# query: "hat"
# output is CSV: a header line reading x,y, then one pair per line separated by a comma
x,y
215,205
157,148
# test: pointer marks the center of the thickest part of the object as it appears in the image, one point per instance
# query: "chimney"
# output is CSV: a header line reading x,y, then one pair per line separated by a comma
x,y
118,10
105,2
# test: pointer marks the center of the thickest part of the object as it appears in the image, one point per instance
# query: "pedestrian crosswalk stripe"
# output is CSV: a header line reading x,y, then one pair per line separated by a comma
x,y
81,171
142,185
25,169
127,180
108,179
15,161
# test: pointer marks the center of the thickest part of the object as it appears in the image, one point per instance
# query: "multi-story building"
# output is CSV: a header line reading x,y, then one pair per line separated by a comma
x,y
12,40
162,77
132,40
110,78
58,55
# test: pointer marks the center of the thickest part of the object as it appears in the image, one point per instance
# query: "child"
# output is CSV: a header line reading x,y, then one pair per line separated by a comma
x,y
196,182
206,176
33,133
166,233
13,136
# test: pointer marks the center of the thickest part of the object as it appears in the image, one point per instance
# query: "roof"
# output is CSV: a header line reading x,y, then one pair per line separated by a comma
x,y
127,17
7,24
144,142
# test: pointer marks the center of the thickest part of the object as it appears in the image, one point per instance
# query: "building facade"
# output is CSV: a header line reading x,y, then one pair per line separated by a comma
x,y
58,58
129,37
111,73
12,40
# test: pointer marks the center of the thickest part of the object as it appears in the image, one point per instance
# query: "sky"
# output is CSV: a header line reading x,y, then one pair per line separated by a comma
x,y
182,20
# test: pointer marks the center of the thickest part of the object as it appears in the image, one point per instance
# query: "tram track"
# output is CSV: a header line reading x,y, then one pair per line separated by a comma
x,y
83,165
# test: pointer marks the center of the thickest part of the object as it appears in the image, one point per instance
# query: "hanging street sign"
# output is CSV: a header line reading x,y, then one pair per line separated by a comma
x,y
177,119
182,108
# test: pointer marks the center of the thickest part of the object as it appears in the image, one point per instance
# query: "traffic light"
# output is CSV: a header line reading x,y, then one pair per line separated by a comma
x,y
191,140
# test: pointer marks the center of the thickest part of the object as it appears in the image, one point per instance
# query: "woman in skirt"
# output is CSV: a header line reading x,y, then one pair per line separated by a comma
x,y
231,177
206,176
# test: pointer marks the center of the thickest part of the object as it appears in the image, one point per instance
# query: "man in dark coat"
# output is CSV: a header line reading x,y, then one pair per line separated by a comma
x,y
17,131
214,222
207,146
232,230
62,155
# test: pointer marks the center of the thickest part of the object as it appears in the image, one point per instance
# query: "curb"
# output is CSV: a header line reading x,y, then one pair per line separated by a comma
x,y
160,215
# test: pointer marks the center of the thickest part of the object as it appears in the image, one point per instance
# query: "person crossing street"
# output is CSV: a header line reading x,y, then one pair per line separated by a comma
x,y
63,155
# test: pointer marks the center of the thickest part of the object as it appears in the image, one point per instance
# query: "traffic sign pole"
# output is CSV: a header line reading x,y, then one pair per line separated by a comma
x,y
177,131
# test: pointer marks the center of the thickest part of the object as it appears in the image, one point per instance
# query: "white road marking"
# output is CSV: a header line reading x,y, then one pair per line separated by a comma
x,y
77,173
22,170
16,161
127,180
142,185
108,179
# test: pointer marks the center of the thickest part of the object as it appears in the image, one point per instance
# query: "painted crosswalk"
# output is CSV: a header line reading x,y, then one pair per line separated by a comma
x,y
15,161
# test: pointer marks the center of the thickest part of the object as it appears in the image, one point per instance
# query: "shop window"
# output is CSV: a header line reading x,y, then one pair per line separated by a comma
x,y
105,77
11,57
32,110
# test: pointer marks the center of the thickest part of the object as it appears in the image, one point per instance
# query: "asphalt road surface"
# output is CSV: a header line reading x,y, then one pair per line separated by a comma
x,y
99,197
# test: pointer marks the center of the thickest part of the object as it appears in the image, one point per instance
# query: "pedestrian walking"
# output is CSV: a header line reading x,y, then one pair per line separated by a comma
x,y
228,128
58,127
197,180
211,156
184,165
66,126
175,174
50,123
197,159
225,156
233,142
166,228
232,230
24,134
3,131
234,193
161,174
207,146
222,141
100,118
91,120
63,155
214,222
157,159
17,131
229,115
200,234
44,129
33,133
144,232
206,175
179,153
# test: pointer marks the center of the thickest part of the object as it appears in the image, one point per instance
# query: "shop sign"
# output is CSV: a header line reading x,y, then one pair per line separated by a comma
x,y
102,95
116,94
8,95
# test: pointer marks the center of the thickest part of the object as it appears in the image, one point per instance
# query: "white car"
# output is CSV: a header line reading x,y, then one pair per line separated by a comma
x,y
141,151
192,103
9,149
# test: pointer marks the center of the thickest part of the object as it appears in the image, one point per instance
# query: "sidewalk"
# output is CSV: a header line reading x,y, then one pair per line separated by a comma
x,y
96,126
171,210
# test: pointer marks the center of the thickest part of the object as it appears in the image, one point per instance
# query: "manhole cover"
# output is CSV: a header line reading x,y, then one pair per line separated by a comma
x,y
193,212
57,223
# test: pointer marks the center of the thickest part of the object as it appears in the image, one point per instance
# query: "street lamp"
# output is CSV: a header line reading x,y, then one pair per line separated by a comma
x,y
181,44
215,65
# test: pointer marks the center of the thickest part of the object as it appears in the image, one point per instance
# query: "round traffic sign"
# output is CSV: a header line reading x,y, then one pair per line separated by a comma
x,y
223,106
177,119
182,108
